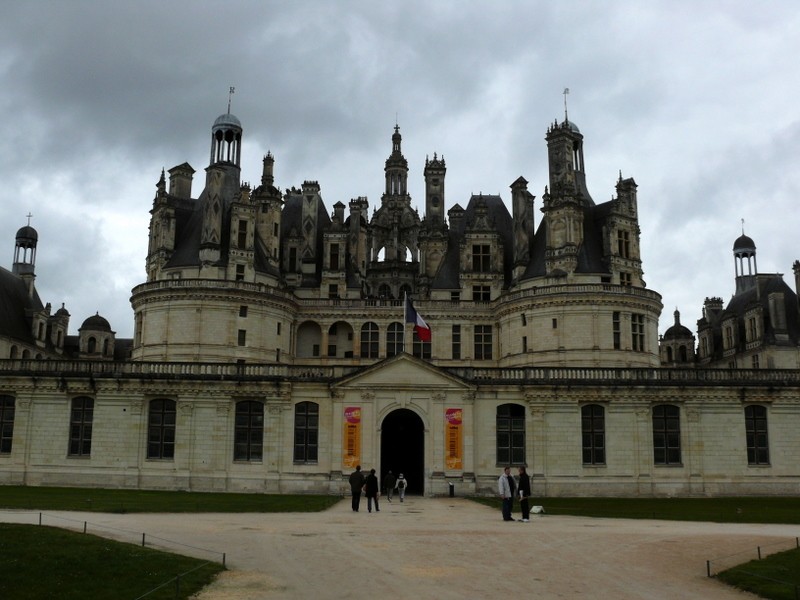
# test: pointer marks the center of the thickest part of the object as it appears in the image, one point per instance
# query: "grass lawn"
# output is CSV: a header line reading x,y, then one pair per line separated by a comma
x,y
716,510
48,562
776,577
122,501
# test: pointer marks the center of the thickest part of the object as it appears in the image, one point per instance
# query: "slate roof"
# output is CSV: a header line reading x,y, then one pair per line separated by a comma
x,y
15,307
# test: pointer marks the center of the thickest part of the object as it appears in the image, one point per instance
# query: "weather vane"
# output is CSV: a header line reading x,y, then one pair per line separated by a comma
x,y
230,95
566,91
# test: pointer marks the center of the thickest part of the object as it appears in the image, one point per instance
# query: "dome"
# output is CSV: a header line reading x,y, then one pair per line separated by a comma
x,y
62,312
96,323
27,234
744,242
227,120
572,126
678,331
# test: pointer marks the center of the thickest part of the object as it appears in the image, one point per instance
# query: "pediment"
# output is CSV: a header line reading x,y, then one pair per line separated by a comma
x,y
402,372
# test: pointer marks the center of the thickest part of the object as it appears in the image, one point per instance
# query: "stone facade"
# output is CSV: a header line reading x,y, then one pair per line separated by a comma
x,y
271,348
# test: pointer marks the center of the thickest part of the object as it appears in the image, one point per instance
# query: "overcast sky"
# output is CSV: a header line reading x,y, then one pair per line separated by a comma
x,y
697,101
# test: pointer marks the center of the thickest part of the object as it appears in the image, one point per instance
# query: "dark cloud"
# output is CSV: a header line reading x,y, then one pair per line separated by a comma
x,y
699,109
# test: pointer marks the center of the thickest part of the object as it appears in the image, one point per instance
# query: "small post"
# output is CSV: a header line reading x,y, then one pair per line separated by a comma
x,y
708,568
142,540
84,527
759,552
40,518
223,559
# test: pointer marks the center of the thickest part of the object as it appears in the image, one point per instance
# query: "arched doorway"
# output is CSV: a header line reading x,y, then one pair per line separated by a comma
x,y
403,448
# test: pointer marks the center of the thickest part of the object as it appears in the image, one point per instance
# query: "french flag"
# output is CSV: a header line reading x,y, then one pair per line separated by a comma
x,y
420,326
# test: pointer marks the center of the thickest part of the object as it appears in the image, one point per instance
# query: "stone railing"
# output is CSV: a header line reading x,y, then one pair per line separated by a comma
x,y
476,375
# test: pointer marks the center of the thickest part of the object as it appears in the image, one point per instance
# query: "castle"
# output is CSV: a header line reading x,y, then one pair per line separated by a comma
x,y
272,349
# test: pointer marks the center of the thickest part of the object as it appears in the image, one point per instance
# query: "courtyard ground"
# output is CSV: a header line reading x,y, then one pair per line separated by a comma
x,y
442,548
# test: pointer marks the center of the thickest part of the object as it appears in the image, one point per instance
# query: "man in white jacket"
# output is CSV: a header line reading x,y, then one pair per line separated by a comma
x,y
505,487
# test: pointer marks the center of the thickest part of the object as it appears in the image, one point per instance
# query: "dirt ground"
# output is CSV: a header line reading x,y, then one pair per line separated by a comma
x,y
443,548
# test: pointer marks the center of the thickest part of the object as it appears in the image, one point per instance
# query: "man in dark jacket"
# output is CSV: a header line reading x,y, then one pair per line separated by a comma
x,y
388,484
372,489
356,485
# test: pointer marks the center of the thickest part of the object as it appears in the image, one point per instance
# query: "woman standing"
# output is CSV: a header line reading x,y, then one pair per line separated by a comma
x,y
524,493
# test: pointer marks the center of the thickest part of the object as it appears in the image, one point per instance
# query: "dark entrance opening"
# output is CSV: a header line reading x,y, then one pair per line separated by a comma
x,y
403,448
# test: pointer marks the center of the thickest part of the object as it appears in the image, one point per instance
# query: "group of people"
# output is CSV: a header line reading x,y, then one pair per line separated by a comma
x,y
507,486
369,486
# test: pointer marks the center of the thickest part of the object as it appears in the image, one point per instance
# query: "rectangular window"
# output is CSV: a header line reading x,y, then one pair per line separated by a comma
x,y
637,332
623,244
6,423
481,258
306,432
242,337
315,350
510,426
292,266
481,293
248,433
755,420
456,341
616,330
80,427
334,257
242,311
524,344
666,435
277,329
421,349
242,239
161,429
239,272
593,431
625,279
333,290
275,229
524,320
555,323
755,361
455,296
483,342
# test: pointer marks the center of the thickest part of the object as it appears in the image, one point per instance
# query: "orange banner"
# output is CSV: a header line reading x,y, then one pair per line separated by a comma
x,y
454,447
352,437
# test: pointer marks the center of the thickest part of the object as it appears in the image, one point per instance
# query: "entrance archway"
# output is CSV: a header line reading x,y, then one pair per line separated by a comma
x,y
403,448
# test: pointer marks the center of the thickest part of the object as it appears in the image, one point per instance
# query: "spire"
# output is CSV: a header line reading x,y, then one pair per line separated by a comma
x,y
566,115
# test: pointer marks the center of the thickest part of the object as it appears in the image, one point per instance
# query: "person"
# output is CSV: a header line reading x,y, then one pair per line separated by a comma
x,y
505,487
401,486
388,483
356,485
524,494
372,490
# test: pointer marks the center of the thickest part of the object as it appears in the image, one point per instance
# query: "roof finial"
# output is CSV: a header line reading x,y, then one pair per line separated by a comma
x,y
742,226
230,95
566,117
30,216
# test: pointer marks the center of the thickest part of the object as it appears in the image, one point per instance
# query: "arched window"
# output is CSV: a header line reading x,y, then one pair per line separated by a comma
x,y
755,421
394,339
14,353
91,345
369,340
510,435
666,434
683,356
80,426
669,354
384,291
161,429
6,423
248,435
593,430
306,432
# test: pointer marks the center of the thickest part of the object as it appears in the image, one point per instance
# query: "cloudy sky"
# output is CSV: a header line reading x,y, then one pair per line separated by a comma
x,y
697,101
